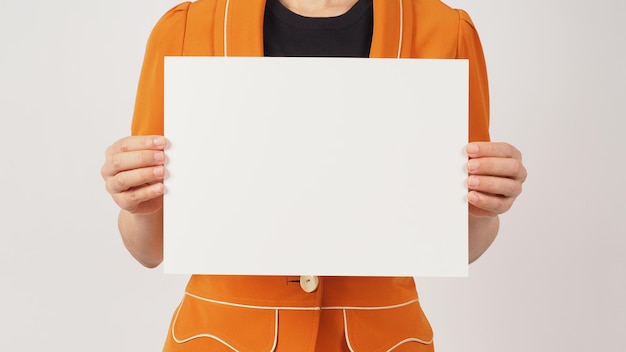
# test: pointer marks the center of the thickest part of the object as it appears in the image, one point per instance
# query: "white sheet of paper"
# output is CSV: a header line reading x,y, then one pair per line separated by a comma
x,y
291,166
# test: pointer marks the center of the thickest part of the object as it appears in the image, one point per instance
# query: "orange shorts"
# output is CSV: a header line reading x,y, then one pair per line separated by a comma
x,y
275,313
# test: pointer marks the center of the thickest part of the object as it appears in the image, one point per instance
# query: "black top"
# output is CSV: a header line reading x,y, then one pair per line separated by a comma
x,y
288,34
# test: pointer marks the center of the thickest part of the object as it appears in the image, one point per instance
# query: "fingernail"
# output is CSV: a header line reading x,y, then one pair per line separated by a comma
x,y
472,197
473,181
159,156
159,141
472,148
157,188
472,165
159,171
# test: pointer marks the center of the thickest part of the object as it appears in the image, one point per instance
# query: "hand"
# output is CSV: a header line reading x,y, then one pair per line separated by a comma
x,y
133,172
496,174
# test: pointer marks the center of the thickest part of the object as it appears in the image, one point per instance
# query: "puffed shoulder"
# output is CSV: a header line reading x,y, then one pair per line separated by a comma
x,y
468,41
465,17
168,34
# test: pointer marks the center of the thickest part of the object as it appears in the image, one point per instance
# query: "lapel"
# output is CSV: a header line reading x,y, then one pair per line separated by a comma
x,y
387,22
244,28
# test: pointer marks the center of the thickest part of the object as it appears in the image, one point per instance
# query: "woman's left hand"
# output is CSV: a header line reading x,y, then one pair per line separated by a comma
x,y
496,174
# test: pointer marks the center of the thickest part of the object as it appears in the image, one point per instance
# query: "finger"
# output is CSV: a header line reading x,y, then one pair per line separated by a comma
x,y
494,185
134,143
126,180
489,202
132,199
492,149
119,162
114,162
503,167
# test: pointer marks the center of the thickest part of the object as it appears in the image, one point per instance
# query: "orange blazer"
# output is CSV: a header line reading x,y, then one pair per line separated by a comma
x,y
402,29
405,29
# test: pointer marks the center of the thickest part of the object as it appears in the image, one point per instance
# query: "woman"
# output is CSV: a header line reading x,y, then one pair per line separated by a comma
x,y
244,313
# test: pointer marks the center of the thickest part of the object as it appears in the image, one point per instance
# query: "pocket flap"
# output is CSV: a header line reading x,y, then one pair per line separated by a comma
x,y
387,329
240,328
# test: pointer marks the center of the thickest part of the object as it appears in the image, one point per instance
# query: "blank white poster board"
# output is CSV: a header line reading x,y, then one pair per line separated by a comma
x,y
291,166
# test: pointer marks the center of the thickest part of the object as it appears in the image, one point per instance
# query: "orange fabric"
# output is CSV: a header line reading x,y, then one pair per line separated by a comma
x,y
241,311
273,313
430,30
230,329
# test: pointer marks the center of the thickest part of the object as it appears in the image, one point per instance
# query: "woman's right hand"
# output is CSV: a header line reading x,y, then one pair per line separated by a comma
x,y
133,171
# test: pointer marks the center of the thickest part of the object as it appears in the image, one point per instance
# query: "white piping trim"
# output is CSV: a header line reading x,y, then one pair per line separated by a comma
x,y
401,28
373,307
410,339
198,335
177,340
247,305
301,308
345,331
275,332
226,28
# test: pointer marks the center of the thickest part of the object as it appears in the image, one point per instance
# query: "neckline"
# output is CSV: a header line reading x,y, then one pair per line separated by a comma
x,y
293,19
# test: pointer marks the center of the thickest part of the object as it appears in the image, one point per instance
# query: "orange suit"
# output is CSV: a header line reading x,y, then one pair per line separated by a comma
x,y
275,313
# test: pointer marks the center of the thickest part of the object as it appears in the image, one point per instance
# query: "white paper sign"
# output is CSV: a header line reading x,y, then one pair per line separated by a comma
x,y
291,166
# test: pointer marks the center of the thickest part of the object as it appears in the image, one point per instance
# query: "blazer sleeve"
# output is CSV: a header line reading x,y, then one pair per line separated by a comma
x,y
469,47
166,39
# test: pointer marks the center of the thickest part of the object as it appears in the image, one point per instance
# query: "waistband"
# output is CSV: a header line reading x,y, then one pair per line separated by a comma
x,y
285,291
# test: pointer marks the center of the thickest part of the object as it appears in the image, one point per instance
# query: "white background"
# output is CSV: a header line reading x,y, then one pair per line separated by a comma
x,y
555,279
